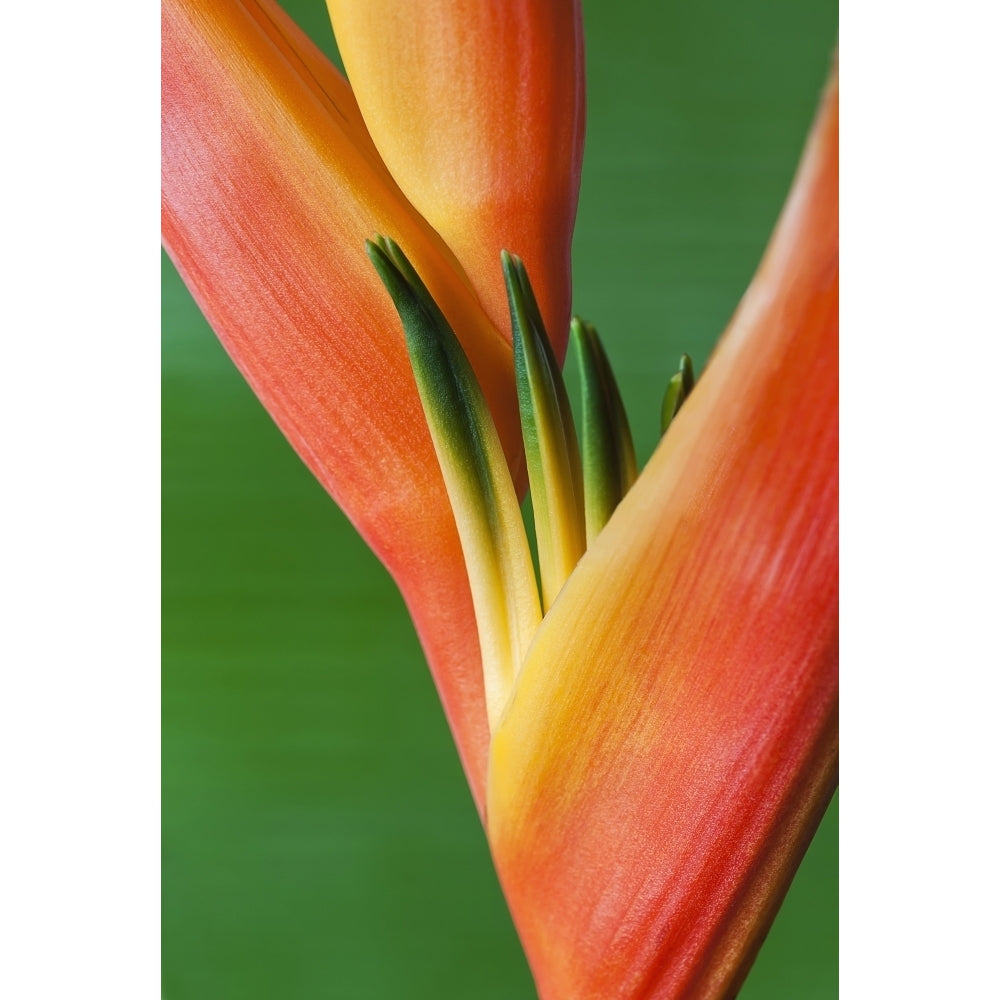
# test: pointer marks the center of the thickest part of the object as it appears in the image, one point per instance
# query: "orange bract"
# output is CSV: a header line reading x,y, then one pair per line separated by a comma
x,y
270,188
672,741
478,111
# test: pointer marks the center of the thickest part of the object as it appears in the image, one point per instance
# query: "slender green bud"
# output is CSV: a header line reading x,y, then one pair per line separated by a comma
x,y
609,466
550,445
678,389
497,557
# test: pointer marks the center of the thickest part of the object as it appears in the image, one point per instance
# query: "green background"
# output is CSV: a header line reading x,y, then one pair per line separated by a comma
x,y
318,837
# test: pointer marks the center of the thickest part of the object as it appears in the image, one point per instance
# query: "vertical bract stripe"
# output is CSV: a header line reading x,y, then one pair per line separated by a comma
x,y
479,485
550,445
609,467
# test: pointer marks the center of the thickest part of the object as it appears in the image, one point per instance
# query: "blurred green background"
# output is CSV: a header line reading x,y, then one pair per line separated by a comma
x,y
318,837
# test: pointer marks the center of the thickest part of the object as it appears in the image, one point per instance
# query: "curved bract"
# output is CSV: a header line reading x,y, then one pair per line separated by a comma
x,y
270,188
671,742
478,111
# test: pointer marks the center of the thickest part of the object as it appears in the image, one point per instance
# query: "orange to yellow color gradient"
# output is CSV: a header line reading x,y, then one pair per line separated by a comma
x,y
663,743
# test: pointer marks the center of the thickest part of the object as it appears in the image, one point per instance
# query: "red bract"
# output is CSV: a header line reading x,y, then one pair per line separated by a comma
x,y
671,743
270,188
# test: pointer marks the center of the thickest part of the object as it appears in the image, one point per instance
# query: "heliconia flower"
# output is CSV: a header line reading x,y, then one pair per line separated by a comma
x,y
478,112
651,734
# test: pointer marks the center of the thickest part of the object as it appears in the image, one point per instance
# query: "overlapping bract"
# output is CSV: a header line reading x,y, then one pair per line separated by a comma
x,y
670,742
478,110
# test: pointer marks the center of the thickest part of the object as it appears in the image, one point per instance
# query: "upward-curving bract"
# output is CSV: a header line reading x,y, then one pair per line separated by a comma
x,y
671,743
271,186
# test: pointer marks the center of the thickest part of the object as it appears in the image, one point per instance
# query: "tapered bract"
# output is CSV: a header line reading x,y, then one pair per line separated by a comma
x,y
672,741
478,111
270,188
